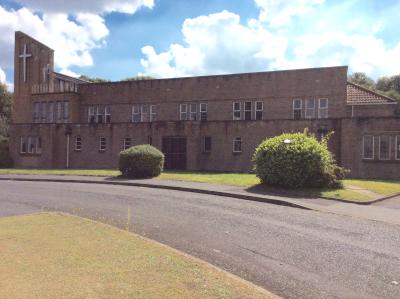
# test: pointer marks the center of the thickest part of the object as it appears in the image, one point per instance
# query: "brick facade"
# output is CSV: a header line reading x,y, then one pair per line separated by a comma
x,y
52,110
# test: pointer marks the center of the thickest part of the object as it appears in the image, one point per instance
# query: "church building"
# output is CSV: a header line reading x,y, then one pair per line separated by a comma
x,y
205,123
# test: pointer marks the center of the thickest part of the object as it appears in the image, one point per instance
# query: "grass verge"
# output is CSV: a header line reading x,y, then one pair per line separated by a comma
x,y
59,256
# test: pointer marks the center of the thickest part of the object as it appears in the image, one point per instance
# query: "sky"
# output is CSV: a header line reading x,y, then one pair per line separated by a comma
x,y
116,39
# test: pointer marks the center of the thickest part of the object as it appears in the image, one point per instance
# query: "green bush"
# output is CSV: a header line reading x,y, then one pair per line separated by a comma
x,y
5,158
296,160
141,161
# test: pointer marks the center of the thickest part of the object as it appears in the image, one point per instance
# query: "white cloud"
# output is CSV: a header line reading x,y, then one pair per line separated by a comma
x,y
69,73
2,76
280,12
85,6
216,44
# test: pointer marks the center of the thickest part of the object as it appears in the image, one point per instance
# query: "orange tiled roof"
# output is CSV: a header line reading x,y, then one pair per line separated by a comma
x,y
358,95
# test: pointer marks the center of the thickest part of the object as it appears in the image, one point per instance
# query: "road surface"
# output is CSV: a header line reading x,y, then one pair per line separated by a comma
x,y
291,252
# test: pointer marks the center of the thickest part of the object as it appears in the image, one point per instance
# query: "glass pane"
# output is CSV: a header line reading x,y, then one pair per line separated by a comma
x,y
368,147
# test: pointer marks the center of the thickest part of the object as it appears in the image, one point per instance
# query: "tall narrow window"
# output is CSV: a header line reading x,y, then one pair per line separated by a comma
x,y
247,110
38,145
36,109
323,108
397,148
78,143
100,114
43,112
259,110
66,110
153,113
23,147
31,145
384,147
102,144
236,111
107,114
203,111
368,147
193,111
297,106
310,108
91,117
207,143
50,112
136,113
127,143
183,111
237,145
143,112
59,111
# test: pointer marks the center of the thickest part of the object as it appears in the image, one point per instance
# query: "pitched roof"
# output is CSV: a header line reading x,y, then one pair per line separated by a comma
x,y
358,95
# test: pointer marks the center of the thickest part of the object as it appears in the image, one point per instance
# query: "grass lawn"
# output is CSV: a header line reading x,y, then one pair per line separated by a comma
x,y
58,256
373,188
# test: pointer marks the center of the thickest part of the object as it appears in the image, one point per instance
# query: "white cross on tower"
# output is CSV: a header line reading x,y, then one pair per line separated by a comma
x,y
24,56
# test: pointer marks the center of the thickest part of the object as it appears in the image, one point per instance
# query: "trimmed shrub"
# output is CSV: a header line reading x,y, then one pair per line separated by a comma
x,y
141,161
5,158
297,160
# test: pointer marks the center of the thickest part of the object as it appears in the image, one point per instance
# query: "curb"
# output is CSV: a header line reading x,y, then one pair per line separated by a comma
x,y
176,188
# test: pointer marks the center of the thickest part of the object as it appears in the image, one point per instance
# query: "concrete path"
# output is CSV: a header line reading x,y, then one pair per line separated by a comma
x,y
294,253
384,211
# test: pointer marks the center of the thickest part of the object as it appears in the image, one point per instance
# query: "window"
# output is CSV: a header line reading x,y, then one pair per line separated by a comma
x,y
35,115
43,112
323,108
193,112
91,118
38,145
135,113
297,106
58,111
78,143
247,110
23,147
102,144
127,143
50,112
31,145
397,149
66,110
259,110
203,111
183,111
236,111
384,147
368,147
310,108
153,113
143,113
100,114
207,144
237,145
107,114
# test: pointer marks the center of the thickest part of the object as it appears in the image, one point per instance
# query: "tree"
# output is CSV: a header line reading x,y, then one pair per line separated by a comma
x,y
5,109
384,84
93,79
362,79
137,78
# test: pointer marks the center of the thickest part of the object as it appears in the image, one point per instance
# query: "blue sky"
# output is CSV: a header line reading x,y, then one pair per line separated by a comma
x,y
115,39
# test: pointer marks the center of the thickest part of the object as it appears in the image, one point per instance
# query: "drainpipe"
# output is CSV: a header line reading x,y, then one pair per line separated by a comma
x,y
352,111
68,132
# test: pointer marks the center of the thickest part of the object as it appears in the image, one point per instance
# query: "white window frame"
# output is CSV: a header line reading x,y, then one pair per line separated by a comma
x,y
380,158
100,113
247,110
323,109
373,147
256,109
237,110
153,113
143,112
309,113
36,110
78,143
23,142
43,111
235,140
107,113
203,111
31,145
136,112
91,113
102,144
182,111
38,145
50,112
397,147
192,111
125,147
297,109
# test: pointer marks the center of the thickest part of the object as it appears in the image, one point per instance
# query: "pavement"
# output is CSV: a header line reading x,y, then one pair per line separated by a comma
x,y
387,210
292,252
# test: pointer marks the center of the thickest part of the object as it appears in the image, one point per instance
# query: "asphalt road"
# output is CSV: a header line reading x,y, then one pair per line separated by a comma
x,y
291,252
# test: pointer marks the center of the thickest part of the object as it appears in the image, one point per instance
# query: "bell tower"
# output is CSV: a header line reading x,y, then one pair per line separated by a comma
x,y
33,72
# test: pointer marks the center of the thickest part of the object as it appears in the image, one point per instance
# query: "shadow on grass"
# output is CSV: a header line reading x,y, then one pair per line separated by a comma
x,y
295,193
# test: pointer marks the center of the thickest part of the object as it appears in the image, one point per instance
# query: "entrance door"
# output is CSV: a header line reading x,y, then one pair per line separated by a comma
x,y
174,149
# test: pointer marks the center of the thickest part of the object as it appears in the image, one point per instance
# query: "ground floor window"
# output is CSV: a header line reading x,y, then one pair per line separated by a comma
x,y
384,147
207,144
368,147
102,144
398,147
127,143
23,146
78,143
30,145
237,145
